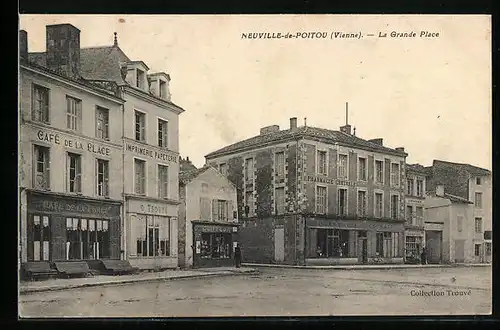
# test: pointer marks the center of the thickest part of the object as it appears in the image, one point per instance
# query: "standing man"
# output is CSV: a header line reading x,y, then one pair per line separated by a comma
x,y
237,255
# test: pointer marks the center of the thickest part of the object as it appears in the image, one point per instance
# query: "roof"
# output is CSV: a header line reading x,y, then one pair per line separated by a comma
x,y
474,170
187,176
417,168
323,134
457,199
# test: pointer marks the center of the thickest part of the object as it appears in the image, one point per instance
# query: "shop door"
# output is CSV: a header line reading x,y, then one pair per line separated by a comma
x,y
362,250
279,244
433,244
459,250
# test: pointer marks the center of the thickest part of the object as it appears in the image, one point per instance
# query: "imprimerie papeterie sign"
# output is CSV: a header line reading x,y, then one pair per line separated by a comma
x,y
322,179
140,150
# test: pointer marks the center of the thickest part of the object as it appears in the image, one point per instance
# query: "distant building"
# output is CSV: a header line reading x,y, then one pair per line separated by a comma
x,y
310,195
449,228
473,184
186,165
208,219
414,211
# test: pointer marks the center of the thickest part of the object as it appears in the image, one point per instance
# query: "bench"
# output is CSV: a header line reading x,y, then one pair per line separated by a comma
x,y
37,269
117,267
72,268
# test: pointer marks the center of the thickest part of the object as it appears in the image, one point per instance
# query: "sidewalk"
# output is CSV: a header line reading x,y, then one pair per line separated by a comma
x,y
98,280
365,267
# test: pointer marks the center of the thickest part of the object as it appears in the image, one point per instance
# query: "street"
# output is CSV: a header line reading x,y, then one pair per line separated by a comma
x,y
280,292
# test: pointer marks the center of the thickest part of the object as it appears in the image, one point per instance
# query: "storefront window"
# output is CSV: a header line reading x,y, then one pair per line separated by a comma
x,y
41,238
215,246
412,246
152,235
87,239
332,243
387,245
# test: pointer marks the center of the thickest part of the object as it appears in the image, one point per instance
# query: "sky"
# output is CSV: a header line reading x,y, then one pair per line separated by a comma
x,y
430,95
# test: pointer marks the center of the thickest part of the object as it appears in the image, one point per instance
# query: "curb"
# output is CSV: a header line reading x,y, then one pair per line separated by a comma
x,y
355,267
131,281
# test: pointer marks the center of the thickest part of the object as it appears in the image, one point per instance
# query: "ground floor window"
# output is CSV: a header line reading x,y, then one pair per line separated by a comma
x,y
216,246
40,231
87,239
477,250
413,244
387,245
151,235
488,248
332,243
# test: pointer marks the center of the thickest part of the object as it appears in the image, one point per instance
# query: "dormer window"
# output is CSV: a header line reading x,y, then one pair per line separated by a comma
x,y
163,89
140,79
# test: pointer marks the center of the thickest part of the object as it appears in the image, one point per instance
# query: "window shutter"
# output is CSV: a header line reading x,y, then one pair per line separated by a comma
x,y
230,209
226,204
214,210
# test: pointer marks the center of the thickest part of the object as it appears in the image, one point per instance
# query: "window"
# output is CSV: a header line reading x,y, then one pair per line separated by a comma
x,y
216,246
152,236
102,123
419,210
394,206
379,205
140,176
40,231
223,169
140,126
379,171
41,175
162,133
220,210
413,244
460,223
387,245
478,225
395,175
362,203
249,169
40,106
279,195
74,170
102,177
139,79
322,162
342,171
249,202
478,200
342,199
163,89
279,164
477,250
478,181
87,239
409,186
362,169
409,214
73,113
162,181
320,200
420,188
332,243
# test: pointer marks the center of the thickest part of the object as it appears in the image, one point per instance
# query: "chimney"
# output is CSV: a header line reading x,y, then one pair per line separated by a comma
x,y
402,149
440,190
378,141
63,49
293,123
23,45
269,129
346,129
187,159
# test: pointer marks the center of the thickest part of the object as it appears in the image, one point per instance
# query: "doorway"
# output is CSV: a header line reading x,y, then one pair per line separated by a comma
x,y
433,244
362,247
279,244
459,250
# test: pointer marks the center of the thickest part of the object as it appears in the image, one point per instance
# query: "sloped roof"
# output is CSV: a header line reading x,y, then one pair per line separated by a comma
x,y
417,168
187,176
452,198
474,170
330,136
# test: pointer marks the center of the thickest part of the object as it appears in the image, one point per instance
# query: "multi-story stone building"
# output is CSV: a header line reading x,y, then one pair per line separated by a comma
x,y
70,156
414,211
309,195
144,127
208,219
474,184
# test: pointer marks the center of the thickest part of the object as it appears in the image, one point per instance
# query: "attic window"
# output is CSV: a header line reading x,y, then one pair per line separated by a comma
x,y
163,89
140,79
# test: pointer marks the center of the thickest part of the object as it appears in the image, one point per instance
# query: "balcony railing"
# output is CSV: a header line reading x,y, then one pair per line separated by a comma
x,y
42,181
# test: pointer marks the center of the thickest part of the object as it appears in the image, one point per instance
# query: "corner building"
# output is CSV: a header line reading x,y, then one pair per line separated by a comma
x,y
312,196
70,155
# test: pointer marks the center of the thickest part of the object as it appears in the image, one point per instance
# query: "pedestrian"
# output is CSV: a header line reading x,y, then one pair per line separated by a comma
x,y
423,256
237,255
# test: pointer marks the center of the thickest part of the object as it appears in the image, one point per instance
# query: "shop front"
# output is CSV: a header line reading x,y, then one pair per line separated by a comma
x,y
214,243
414,242
59,227
330,242
151,233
